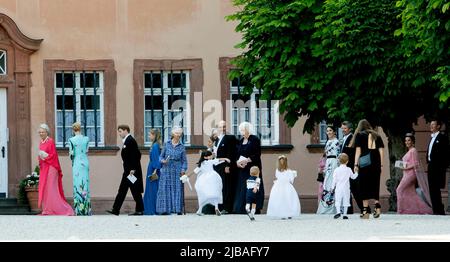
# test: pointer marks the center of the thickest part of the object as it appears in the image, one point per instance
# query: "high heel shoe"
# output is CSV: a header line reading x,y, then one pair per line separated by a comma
x,y
366,213
362,211
377,212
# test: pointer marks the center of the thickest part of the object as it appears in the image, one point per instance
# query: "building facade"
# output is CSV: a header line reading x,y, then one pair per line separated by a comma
x,y
145,63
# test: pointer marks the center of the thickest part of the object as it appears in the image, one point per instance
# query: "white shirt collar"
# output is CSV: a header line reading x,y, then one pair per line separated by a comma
x,y
347,135
434,134
125,138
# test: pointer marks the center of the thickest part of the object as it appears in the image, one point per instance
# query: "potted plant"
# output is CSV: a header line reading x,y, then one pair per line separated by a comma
x,y
29,190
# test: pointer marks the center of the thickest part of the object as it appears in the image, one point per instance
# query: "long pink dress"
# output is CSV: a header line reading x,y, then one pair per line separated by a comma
x,y
51,194
410,200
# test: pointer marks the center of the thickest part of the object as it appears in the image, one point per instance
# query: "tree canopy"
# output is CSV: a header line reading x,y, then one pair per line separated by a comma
x,y
341,59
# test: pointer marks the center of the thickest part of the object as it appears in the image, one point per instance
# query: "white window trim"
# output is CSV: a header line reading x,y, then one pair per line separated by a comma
x,y
167,92
3,71
253,111
79,93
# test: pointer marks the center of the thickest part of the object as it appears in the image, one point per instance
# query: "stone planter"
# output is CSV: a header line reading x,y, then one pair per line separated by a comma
x,y
33,197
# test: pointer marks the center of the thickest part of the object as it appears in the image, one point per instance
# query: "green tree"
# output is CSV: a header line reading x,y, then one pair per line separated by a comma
x,y
335,60
426,32
278,42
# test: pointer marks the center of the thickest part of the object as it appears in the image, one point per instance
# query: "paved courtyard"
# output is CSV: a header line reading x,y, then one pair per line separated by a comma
x,y
308,227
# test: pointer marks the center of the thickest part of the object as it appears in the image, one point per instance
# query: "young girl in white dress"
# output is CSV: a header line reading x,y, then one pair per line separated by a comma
x,y
209,182
283,201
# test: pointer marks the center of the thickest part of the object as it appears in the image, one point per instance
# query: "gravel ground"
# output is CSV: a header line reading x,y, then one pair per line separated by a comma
x,y
308,227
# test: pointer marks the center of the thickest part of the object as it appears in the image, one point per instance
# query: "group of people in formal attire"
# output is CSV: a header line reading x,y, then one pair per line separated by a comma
x,y
229,175
361,154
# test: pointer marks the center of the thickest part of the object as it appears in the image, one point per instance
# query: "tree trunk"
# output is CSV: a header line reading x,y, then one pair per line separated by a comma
x,y
396,151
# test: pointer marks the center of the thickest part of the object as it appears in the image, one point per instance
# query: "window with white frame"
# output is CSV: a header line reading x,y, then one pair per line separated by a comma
x,y
323,132
79,98
166,103
3,63
262,114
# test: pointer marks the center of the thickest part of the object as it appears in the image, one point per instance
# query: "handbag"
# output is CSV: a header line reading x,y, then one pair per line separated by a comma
x,y
154,175
365,160
320,177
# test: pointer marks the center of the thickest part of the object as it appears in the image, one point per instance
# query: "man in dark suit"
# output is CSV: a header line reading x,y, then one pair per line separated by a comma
x,y
131,158
225,147
438,161
346,127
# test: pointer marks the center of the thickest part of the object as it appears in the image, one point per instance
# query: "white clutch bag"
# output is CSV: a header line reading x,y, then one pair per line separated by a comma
x,y
400,164
241,158
43,154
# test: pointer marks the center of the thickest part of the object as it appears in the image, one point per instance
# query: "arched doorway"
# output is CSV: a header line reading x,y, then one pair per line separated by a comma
x,y
15,125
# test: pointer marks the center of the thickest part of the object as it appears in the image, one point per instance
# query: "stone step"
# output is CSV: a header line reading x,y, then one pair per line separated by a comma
x,y
17,213
10,206
12,203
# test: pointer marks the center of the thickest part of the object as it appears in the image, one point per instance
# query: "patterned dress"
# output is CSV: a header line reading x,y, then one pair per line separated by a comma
x,y
170,196
78,147
332,150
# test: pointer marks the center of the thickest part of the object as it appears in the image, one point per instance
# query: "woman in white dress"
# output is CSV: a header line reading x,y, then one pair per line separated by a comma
x,y
209,182
283,201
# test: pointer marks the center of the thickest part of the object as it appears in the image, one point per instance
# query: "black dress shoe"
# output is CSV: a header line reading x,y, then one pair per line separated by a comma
x,y
111,211
136,214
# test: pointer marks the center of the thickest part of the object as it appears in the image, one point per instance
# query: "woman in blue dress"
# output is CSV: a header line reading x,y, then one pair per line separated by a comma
x,y
153,173
78,149
170,195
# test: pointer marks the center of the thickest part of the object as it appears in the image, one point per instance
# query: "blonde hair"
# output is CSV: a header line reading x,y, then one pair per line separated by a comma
x,y
343,158
157,135
254,171
282,165
76,126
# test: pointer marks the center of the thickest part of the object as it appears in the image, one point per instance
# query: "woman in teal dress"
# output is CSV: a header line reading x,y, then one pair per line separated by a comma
x,y
78,149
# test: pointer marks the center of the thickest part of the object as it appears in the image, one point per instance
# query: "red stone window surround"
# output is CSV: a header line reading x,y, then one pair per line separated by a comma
x,y
51,67
284,131
194,66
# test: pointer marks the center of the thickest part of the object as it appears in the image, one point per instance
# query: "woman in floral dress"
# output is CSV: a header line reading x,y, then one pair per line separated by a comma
x,y
78,149
332,150
170,196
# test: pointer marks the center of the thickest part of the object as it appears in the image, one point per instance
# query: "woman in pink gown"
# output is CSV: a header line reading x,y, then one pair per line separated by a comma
x,y
413,196
51,194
